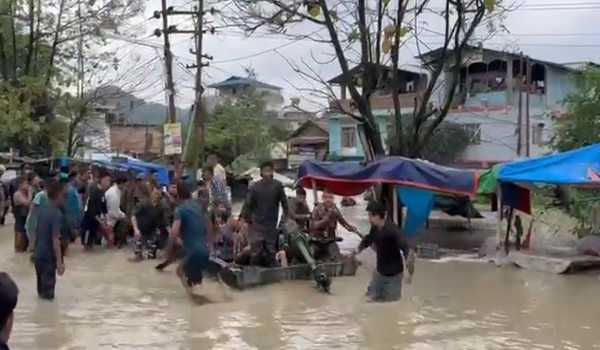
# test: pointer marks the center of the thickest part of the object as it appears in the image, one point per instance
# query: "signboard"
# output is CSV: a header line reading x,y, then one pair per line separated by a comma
x,y
172,137
473,57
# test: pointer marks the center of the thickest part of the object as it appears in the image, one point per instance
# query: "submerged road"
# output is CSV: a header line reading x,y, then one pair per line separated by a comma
x,y
105,302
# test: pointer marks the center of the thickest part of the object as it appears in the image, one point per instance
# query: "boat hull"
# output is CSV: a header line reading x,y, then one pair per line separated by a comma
x,y
244,277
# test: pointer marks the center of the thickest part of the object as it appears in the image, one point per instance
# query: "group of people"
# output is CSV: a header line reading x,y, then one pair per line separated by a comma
x,y
260,215
116,209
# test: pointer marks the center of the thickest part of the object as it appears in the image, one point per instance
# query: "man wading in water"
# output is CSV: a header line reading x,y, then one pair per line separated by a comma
x,y
390,247
190,228
262,212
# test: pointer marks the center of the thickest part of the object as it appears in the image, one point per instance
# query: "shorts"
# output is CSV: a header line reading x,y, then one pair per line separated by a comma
x,y
385,288
46,278
194,264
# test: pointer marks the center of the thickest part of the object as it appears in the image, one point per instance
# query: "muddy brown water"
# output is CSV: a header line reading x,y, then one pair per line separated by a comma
x,y
105,302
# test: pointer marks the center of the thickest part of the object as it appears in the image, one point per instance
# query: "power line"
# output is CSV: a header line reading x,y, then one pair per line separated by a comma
x,y
273,49
552,4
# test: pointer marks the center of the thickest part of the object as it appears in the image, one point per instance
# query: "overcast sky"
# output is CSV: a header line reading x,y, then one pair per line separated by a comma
x,y
554,30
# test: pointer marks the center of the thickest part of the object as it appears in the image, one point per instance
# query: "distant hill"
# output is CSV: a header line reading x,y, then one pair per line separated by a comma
x,y
130,110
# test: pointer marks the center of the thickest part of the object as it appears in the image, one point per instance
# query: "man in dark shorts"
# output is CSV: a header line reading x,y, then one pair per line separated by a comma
x,y
190,227
391,249
9,295
48,252
94,212
262,213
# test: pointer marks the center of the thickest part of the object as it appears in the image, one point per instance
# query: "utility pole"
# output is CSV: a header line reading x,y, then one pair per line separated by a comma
x,y
171,115
527,120
520,118
198,14
199,122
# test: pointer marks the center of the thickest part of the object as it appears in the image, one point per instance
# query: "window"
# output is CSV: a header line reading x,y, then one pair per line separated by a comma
x,y
348,137
473,133
537,134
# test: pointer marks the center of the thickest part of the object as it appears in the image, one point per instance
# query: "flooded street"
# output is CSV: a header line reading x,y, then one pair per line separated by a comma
x,y
105,302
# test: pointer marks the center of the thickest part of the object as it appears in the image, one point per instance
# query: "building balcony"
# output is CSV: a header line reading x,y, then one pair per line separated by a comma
x,y
379,102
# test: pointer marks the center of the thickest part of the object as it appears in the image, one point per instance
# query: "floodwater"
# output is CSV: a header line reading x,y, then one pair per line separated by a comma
x,y
105,302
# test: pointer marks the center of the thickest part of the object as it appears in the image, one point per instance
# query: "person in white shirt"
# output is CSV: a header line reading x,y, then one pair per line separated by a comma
x,y
116,218
218,171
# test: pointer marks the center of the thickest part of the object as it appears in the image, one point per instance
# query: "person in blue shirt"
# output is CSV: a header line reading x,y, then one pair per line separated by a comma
x,y
48,253
72,212
190,228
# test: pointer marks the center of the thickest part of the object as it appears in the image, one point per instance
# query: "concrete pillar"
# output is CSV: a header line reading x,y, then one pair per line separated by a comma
x,y
510,84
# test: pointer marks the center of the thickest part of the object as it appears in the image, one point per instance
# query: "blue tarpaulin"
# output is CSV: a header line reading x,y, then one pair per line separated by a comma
x,y
353,178
161,172
138,167
578,167
418,206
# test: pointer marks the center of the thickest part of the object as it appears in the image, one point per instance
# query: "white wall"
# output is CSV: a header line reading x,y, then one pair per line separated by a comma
x,y
499,138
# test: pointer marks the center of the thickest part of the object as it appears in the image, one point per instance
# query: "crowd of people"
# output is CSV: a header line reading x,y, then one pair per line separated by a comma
x,y
100,208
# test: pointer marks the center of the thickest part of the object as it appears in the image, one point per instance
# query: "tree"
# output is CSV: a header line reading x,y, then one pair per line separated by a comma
x,y
239,126
581,126
370,33
47,46
451,140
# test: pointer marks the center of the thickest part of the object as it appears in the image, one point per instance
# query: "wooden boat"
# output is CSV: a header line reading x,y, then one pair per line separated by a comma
x,y
244,277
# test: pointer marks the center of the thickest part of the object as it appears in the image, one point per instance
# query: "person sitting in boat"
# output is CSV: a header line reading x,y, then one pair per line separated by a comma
x,y
299,211
325,218
217,189
225,228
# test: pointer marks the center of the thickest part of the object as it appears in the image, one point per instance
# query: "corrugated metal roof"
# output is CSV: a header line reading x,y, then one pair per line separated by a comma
x,y
430,56
239,81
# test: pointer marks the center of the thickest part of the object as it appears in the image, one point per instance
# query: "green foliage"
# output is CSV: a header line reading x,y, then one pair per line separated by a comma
x,y
490,5
16,108
240,126
46,34
581,127
449,141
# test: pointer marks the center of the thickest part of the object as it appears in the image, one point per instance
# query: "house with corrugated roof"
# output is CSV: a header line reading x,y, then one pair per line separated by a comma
x,y
235,86
126,124
506,104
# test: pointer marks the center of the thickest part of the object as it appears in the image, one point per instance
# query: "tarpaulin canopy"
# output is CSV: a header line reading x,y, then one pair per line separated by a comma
x,y
488,180
352,178
580,167
138,167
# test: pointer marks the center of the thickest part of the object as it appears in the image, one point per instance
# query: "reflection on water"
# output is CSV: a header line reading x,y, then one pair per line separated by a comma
x,y
104,302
